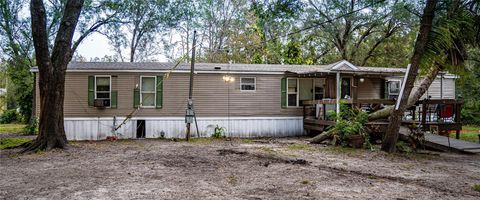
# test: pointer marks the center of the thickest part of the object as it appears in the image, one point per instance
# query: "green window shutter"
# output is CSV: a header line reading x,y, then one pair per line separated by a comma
x,y
159,99
385,90
284,92
113,101
91,90
136,97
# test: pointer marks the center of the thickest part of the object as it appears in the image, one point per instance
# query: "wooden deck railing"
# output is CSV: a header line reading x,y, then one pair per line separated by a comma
x,y
441,115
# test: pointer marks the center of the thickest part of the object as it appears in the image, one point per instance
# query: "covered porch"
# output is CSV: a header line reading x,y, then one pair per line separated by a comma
x,y
369,89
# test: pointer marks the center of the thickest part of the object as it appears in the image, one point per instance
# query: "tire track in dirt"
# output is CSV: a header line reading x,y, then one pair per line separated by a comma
x,y
269,159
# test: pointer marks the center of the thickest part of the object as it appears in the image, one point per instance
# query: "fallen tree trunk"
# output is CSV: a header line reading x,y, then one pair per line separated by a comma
x,y
414,97
322,137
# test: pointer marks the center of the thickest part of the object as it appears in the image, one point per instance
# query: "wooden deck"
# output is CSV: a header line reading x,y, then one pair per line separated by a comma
x,y
443,143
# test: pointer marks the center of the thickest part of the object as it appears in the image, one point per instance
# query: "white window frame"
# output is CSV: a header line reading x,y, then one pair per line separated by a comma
x,y
399,84
110,89
297,93
154,92
254,84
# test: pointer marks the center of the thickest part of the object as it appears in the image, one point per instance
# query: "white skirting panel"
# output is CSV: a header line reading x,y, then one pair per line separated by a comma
x,y
174,127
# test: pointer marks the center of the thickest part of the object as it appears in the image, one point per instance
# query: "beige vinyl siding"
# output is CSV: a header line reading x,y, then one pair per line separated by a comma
x,y
210,96
370,88
434,90
448,89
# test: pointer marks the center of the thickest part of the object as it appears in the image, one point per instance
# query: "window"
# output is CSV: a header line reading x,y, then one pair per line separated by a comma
x,y
102,87
292,97
148,89
393,89
319,88
248,84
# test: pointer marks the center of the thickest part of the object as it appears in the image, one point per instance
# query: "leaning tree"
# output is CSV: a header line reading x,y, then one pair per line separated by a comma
x,y
455,27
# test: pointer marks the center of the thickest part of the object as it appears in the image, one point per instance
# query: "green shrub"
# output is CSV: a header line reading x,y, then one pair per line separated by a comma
x,y
32,128
471,112
349,122
9,116
218,132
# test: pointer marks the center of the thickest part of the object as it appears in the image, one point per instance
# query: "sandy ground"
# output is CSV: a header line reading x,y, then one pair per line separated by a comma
x,y
236,169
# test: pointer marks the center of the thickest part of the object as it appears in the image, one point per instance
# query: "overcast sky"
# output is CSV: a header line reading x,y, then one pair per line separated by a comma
x,y
95,45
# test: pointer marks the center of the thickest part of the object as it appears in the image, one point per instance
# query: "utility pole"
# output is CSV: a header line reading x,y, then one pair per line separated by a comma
x,y
190,112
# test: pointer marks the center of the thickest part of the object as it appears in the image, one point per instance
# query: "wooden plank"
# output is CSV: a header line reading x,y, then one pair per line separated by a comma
x,y
444,143
318,122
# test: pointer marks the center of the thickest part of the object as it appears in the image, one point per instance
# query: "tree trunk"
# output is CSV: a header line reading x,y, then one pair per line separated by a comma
x,y
414,97
51,131
52,70
321,137
391,137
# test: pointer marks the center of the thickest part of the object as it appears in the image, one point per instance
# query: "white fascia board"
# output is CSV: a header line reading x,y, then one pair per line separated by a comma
x,y
344,62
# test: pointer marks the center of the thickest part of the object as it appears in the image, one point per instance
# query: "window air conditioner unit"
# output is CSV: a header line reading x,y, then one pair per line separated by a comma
x,y
101,103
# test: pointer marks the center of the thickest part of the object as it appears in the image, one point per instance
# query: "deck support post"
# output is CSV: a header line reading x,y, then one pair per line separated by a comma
x,y
338,93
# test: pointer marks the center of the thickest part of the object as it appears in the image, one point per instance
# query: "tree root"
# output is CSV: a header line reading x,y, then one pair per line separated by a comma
x,y
43,145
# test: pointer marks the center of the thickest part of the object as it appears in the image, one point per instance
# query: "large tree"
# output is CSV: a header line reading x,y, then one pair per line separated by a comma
x,y
138,27
52,65
391,137
357,30
455,26
454,32
17,47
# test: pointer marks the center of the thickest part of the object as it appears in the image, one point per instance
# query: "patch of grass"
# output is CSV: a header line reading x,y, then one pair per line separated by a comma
x,y
371,177
303,147
12,128
247,140
469,133
476,187
267,150
232,180
12,142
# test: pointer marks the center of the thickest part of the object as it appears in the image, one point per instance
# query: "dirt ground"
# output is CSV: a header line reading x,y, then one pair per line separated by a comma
x,y
286,168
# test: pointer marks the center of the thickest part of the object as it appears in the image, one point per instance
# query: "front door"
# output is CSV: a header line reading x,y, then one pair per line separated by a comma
x,y
305,89
346,92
